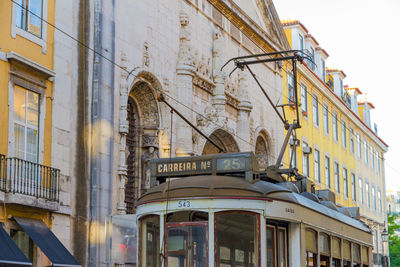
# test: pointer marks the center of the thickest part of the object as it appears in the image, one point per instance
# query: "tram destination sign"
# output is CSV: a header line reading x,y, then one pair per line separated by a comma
x,y
238,164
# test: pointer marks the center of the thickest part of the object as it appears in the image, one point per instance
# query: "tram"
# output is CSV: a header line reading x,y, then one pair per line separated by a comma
x,y
220,210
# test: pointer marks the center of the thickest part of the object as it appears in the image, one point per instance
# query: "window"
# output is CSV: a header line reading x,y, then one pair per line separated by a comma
x,y
239,249
26,124
301,42
359,146
306,160
378,162
24,242
317,171
367,195
315,110
327,172
379,202
326,118
323,75
344,135
352,141
271,242
311,248
291,95
365,152
345,183
341,87
373,198
312,54
337,177
335,126
360,189
372,157
30,21
353,187
304,103
149,232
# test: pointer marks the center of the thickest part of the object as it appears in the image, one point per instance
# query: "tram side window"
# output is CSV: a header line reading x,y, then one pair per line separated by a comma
x,y
271,241
336,252
324,249
356,255
237,239
311,248
365,257
149,241
346,253
282,247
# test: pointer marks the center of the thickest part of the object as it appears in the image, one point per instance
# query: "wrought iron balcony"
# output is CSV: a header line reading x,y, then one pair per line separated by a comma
x,y
19,176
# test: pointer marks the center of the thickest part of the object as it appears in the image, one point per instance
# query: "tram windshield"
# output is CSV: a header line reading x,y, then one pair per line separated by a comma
x,y
236,239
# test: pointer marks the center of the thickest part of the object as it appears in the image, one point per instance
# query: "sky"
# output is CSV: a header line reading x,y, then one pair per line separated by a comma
x,y
362,38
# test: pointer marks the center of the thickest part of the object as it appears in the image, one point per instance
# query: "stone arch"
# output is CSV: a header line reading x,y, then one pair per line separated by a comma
x,y
223,139
262,149
143,118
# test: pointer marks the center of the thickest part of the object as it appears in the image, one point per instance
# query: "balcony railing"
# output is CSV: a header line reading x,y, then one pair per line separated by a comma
x,y
29,178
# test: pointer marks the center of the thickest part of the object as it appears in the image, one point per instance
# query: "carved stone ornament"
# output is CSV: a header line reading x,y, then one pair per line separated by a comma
x,y
149,141
204,84
146,54
184,55
210,116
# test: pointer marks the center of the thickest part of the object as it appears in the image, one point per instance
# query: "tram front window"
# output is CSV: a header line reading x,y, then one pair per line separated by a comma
x,y
187,244
236,239
311,248
149,241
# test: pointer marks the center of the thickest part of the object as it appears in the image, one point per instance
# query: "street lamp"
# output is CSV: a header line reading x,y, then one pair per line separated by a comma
x,y
384,236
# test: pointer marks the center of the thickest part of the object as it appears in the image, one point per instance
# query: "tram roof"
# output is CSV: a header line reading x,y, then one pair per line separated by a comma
x,y
228,186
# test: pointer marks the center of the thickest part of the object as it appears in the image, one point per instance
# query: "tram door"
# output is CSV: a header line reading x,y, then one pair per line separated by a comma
x,y
187,244
276,246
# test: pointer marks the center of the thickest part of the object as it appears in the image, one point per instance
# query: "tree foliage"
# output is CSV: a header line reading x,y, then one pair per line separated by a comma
x,y
394,239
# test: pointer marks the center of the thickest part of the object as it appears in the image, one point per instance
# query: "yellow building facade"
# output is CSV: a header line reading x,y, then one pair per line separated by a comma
x,y
29,186
336,148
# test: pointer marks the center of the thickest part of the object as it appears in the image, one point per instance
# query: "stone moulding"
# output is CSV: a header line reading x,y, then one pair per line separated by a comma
x,y
204,84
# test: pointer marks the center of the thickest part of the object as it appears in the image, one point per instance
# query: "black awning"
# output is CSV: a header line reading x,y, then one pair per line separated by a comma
x,y
10,254
47,242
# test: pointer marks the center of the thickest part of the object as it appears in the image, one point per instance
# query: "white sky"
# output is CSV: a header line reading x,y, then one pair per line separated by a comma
x,y
362,38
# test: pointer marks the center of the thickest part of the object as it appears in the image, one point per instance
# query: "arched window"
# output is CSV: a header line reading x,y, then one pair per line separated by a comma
x,y
262,151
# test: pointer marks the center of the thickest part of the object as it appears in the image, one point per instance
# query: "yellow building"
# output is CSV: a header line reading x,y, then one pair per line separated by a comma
x,y
336,148
29,186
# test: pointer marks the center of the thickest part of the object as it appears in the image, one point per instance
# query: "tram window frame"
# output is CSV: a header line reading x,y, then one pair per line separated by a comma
x,y
353,254
278,254
140,243
178,225
274,246
336,258
257,247
346,260
322,254
313,254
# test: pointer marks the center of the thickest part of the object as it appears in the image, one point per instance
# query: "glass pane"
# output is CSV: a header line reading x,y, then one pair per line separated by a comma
x,y
270,247
19,137
19,104
34,17
187,245
31,145
282,247
311,241
238,232
20,11
150,241
23,241
356,253
33,108
311,259
324,244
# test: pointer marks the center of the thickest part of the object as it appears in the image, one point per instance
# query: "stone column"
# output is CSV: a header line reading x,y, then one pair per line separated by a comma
x,y
244,109
219,99
123,131
185,71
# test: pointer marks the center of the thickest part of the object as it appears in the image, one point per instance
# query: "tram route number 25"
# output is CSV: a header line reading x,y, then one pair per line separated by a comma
x,y
230,164
183,204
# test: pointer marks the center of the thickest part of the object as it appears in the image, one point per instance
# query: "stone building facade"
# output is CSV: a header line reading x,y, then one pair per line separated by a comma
x,y
128,52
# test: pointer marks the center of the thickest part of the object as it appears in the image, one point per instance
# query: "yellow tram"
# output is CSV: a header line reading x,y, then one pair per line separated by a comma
x,y
219,210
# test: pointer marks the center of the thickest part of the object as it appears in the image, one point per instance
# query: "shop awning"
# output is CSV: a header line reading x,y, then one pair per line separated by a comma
x,y
47,242
10,254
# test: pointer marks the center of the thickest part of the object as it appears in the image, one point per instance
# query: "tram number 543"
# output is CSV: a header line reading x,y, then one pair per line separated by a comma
x,y
183,204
